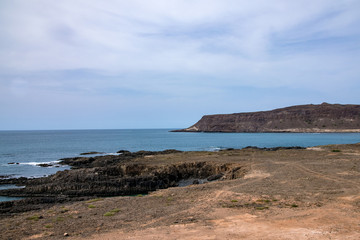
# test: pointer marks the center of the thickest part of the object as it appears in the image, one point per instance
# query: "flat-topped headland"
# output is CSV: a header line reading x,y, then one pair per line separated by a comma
x,y
249,193
303,118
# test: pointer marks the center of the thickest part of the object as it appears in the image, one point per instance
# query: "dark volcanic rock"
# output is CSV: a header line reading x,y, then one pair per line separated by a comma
x,y
196,181
45,165
123,151
112,176
122,179
108,160
77,161
90,153
215,177
6,176
273,148
304,118
17,181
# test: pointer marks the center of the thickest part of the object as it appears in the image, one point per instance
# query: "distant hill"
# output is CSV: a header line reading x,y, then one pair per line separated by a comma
x,y
303,118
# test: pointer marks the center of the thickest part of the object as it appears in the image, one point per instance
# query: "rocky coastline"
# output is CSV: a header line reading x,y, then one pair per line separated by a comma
x,y
129,173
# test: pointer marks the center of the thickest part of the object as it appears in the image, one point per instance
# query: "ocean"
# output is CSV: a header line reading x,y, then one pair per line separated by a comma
x,y
25,149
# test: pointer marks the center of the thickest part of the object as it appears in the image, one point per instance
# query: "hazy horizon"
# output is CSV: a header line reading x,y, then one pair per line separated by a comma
x,y
158,64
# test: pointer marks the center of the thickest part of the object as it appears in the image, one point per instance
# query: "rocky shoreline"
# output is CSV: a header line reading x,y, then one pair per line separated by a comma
x,y
129,173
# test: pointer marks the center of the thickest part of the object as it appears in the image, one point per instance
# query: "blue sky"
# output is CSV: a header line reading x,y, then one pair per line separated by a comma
x,y
163,64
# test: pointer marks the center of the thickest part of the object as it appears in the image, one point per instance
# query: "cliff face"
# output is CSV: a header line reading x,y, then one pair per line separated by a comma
x,y
303,118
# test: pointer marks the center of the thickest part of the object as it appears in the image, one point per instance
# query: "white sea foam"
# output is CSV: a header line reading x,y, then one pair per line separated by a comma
x,y
38,163
214,149
112,153
10,186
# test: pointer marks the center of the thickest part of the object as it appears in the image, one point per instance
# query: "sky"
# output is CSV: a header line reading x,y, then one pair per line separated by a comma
x,y
118,64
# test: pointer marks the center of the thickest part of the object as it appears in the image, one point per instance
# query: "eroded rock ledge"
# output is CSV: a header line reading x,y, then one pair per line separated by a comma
x,y
125,174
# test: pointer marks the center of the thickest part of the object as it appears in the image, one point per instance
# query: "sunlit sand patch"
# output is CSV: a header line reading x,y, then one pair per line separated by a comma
x,y
344,173
36,236
315,148
352,153
351,198
257,174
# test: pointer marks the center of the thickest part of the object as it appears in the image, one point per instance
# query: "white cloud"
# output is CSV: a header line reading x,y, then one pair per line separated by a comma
x,y
180,49
154,35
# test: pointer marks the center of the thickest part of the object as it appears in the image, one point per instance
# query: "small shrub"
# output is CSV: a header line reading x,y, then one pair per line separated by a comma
x,y
91,206
94,200
48,226
109,214
64,210
262,208
112,212
59,219
234,200
336,150
294,206
33,218
115,210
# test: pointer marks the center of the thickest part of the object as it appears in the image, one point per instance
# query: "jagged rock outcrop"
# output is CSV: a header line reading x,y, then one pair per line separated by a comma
x,y
113,176
303,118
128,179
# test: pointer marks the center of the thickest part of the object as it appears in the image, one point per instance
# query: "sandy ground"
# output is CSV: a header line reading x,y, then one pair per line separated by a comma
x,y
285,194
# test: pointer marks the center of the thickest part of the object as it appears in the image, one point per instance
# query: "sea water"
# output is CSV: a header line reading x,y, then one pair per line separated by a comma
x,y
26,149
7,186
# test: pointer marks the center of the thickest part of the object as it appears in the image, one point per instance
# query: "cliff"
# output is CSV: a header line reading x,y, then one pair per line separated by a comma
x,y
303,118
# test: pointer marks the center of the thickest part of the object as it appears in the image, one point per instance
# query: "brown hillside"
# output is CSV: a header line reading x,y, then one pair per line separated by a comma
x,y
303,118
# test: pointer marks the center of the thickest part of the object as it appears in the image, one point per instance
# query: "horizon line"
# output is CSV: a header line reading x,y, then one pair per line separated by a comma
x,y
85,129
